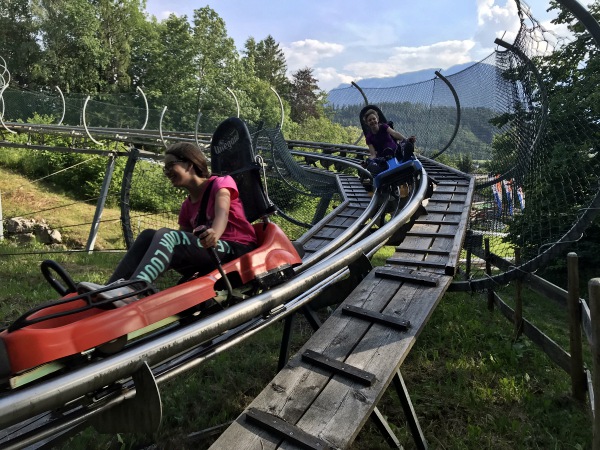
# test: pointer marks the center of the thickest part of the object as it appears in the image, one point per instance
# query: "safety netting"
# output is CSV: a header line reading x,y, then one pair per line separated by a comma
x,y
525,122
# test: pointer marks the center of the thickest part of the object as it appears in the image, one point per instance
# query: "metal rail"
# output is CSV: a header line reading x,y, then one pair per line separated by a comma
x,y
279,302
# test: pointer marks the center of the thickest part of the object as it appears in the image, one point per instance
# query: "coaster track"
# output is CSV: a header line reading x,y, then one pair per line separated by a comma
x,y
99,390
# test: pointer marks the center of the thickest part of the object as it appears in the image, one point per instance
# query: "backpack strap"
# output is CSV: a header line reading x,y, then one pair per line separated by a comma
x,y
200,218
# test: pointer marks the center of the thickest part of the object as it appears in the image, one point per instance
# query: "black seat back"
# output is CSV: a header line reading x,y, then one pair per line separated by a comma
x,y
232,154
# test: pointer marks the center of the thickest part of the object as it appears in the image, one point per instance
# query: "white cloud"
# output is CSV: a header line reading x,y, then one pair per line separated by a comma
x,y
409,59
495,21
330,78
164,14
308,53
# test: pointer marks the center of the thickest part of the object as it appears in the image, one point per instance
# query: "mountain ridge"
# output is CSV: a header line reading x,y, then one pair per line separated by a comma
x,y
406,77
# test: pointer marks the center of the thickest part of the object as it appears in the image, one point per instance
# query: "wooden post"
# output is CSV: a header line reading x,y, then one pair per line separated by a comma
x,y
518,298
578,384
469,252
488,270
594,293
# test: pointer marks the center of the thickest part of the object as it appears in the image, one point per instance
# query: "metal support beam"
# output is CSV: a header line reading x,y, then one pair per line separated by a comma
x,y
409,412
385,430
140,414
110,166
284,350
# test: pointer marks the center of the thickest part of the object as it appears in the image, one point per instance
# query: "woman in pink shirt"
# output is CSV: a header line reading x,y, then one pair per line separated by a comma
x,y
213,208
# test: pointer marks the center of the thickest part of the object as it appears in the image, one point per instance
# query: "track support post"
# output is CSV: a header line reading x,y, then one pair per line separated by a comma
x,y
110,167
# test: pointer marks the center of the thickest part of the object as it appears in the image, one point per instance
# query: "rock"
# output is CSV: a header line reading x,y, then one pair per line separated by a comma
x,y
18,225
24,231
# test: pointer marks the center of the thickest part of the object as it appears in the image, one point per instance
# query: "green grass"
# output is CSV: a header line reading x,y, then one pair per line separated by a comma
x,y
472,385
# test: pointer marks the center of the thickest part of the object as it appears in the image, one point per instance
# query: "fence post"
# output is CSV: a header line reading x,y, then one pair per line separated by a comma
x,y
594,293
101,201
578,386
469,252
488,270
518,298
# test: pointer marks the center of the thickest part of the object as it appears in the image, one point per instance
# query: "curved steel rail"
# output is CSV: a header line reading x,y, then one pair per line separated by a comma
x,y
139,89
2,115
87,131
160,126
458,113
64,105
237,104
54,393
364,96
281,108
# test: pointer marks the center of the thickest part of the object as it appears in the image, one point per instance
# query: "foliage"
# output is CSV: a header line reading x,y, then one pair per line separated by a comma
x,y
570,161
304,96
465,163
83,183
269,63
320,129
18,46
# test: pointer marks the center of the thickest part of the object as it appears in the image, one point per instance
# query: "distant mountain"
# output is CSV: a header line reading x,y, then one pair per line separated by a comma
x,y
406,78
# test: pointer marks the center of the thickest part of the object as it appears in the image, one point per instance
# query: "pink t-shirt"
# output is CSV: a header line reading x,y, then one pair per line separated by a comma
x,y
238,228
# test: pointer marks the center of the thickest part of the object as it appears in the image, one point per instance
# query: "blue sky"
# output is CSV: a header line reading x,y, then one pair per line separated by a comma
x,y
346,40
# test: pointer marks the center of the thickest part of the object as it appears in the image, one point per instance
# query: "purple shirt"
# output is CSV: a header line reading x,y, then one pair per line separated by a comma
x,y
381,140
238,228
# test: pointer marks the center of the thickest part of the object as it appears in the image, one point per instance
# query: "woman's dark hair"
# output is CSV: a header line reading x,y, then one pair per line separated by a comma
x,y
187,151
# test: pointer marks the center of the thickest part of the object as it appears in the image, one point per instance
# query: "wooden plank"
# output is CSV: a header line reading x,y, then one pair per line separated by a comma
x,y
415,263
436,222
280,428
428,251
444,200
382,351
295,388
432,234
457,245
376,317
407,276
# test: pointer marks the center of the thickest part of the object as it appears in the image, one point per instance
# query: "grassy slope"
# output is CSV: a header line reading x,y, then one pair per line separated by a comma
x,y
471,384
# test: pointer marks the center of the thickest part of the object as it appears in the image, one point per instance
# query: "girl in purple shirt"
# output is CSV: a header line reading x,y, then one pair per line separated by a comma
x,y
227,229
380,135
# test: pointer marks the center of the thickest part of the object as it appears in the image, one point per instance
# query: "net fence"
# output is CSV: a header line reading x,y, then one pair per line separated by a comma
x,y
525,121
117,111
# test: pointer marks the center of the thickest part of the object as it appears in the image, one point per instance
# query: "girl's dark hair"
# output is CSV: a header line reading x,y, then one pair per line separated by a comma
x,y
187,151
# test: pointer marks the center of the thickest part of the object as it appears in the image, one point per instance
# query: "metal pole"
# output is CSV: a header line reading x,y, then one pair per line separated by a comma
x,y
584,16
101,201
